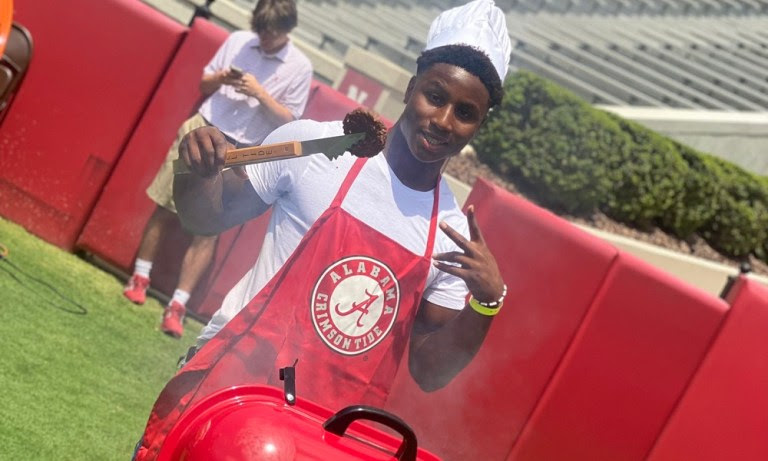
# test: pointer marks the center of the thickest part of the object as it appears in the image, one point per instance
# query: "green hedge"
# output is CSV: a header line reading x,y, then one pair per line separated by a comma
x,y
739,226
698,202
550,142
569,156
650,181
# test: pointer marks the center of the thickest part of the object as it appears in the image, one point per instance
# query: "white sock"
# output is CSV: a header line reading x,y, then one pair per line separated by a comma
x,y
142,267
180,296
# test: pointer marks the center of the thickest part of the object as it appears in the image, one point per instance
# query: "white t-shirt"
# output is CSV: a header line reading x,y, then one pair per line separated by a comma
x,y
300,190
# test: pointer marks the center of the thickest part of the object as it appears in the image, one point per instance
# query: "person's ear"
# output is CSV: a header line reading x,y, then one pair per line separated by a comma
x,y
409,89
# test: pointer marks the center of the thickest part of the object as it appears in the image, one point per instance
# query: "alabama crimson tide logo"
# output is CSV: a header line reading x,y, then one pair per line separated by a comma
x,y
354,304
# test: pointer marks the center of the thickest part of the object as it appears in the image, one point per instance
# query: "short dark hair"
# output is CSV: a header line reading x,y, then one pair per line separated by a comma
x,y
471,59
274,15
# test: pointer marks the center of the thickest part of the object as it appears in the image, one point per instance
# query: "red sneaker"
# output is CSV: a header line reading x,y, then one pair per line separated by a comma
x,y
173,319
136,289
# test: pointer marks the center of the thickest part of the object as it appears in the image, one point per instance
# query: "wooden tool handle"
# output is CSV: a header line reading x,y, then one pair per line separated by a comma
x,y
265,153
250,155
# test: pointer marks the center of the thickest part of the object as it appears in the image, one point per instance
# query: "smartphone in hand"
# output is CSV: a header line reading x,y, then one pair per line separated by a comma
x,y
235,71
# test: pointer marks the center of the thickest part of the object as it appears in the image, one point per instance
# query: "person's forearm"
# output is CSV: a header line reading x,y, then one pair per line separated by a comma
x,y
209,206
199,203
211,83
276,111
436,357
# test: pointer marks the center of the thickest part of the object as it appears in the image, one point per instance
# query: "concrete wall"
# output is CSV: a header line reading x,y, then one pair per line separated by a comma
x,y
740,137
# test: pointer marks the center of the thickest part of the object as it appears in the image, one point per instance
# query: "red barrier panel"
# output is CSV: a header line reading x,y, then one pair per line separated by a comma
x,y
115,228
116,225
553,271
724,413
326,104
630,362
86,88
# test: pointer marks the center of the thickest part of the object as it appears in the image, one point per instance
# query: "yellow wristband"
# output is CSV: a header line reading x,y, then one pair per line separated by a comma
x,y
480,309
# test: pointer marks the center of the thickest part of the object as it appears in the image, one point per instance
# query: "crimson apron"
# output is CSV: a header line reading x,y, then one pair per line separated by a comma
x,y
347,319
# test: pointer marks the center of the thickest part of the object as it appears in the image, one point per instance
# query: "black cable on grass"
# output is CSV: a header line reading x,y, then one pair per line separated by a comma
x,y
78,310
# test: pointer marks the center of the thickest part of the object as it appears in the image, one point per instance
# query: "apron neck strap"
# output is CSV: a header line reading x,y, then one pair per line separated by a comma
x,y
348,180
352,175
433,220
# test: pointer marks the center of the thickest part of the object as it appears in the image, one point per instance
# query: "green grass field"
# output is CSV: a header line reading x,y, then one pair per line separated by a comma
x,y
74,385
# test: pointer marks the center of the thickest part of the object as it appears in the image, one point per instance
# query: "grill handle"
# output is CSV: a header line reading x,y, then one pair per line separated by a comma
x,y
339,423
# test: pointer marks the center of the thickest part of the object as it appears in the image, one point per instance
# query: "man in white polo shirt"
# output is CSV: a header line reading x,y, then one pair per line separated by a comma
x,y
257,81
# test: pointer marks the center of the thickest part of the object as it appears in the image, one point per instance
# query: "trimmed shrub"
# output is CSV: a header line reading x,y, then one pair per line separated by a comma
x,y
740,225
738,229
699,199
552,144
569,156
650,181
762,250
573,157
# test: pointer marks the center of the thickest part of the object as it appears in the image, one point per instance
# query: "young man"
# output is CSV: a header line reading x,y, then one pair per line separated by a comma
x,y
353,268
256,82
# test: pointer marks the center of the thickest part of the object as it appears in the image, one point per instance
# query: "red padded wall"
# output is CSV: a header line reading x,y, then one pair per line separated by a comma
x,y
115,228
326,104
553,271
88,84
633,356
724,413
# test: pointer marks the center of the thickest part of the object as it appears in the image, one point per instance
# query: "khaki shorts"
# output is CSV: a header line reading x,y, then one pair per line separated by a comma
x,y
161,189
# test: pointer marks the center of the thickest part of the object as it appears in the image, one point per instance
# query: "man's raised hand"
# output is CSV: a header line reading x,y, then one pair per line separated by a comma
x,y
474,264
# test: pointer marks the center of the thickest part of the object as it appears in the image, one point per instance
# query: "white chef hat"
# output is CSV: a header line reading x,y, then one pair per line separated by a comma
x,y
479,24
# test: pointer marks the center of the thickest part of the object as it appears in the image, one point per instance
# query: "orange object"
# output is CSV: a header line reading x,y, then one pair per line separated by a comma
x,y
6,18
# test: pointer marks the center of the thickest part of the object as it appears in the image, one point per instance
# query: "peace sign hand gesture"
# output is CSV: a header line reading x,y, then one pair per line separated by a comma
x,y
474,264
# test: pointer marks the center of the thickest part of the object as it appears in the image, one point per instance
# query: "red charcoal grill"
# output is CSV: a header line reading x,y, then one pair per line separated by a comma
x,y
254,422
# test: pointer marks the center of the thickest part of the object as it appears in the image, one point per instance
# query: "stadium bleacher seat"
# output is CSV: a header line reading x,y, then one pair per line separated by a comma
x,y
664,45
